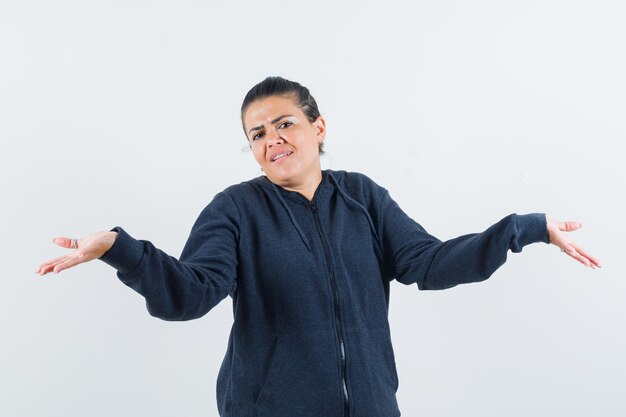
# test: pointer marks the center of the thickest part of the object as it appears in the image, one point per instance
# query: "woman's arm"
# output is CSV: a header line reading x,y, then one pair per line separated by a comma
x,y
174,289
414,256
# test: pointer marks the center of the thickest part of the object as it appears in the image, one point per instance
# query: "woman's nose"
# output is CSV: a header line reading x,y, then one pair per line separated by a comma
x,y
274,138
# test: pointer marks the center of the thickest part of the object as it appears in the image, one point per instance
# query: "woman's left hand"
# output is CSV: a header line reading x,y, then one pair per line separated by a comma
x,y
558,238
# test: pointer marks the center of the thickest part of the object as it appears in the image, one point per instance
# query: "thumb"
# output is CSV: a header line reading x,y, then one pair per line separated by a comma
x,y
65,242
569,226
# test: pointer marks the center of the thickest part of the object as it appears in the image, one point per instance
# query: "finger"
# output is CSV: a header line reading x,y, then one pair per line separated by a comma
x,y
68,263
46,266
50,267
571,251
593,260
51,261
569,226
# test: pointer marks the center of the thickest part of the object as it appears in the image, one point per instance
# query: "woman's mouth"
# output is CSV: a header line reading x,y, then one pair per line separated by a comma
x,y
281,155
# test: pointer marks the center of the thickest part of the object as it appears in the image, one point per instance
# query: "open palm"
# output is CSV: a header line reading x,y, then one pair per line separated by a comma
x,y
560,239
88,248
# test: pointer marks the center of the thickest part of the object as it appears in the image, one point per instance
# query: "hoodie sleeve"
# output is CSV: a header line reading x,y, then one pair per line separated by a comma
x,y
185,288
414,256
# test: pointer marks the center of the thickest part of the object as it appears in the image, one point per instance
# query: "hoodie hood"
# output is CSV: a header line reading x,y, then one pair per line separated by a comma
x,y
330,180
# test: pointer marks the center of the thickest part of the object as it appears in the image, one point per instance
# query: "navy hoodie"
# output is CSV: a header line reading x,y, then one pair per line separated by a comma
x,y
309,282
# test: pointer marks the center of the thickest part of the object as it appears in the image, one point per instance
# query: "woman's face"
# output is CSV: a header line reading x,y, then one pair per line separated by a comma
x,y
284,142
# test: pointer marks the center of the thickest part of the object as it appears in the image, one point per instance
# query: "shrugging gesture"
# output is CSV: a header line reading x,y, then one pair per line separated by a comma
x,y
307,257
97,244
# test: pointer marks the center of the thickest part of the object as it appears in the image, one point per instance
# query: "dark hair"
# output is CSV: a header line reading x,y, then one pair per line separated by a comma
x,y
278,86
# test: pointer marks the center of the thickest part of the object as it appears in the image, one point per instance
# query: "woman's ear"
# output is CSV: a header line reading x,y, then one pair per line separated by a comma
x,y
320,125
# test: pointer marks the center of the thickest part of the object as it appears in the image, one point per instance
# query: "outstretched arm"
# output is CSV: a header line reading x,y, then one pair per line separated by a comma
x,y
174,289
414,256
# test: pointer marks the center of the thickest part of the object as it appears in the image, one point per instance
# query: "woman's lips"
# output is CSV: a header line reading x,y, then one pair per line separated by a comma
x,y
281,156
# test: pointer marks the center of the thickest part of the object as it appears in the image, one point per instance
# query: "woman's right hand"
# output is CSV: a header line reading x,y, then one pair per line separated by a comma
x,y
86,249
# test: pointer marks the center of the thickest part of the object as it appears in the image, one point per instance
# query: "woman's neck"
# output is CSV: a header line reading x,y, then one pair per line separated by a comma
x,y
306,188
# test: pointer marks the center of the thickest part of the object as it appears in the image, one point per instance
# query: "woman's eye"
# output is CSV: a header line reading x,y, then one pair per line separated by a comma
x,y
257,136
285,124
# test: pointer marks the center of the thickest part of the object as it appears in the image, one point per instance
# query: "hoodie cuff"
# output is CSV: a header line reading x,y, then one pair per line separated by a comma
x,y
126,252
532,228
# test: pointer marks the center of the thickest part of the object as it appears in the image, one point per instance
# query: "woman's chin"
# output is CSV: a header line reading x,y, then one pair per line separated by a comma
x,y
292,176
282,180
282,176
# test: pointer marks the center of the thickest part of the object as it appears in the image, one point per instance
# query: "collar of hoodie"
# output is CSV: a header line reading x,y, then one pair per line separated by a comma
x,y
328,181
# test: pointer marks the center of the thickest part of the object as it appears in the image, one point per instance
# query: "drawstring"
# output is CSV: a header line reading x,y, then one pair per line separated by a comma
x,y
349,202
352,202
293,220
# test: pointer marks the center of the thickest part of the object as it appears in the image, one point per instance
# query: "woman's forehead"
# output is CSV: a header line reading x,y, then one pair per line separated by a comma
x,y
267,109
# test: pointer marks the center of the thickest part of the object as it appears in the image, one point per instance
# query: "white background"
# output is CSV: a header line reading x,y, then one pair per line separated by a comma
x,y
127,113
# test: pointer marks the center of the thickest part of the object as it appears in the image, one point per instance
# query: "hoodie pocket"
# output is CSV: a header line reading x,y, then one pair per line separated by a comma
x,y
392,364
372,376
303,377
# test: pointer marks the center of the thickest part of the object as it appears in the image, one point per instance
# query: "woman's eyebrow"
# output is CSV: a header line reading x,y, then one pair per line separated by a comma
x,y
272,122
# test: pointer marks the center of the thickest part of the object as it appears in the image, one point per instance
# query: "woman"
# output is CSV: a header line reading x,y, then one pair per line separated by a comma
x,y
307,257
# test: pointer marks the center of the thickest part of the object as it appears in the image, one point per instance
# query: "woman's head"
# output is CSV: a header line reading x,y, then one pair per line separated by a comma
x,y
278,86
285,133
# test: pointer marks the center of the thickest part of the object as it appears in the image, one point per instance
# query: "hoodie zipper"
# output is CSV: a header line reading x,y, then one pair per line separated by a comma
x,y
331,272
